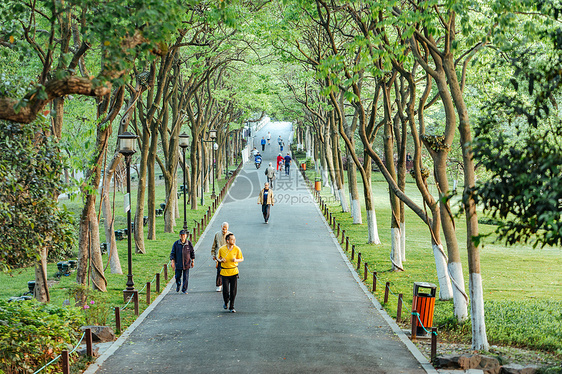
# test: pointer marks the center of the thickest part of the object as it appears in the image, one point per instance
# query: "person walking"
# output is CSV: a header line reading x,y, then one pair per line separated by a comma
x,y
229,257
266,200
262,143
287,163
268,138
183,258
270,174
279,162
218,241
279,141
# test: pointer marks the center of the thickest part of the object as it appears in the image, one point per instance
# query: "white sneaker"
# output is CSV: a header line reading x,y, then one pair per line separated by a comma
x,y
219,288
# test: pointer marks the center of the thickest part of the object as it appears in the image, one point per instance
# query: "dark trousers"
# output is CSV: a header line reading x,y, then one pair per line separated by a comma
x,y
263,147
219,276
265,210
270,181
182,276
229,288
287,166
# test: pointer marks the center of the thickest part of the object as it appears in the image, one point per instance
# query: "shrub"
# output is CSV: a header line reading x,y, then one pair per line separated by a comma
x,y
32,334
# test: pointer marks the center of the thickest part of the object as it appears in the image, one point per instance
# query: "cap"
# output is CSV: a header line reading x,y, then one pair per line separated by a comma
x,y
183,232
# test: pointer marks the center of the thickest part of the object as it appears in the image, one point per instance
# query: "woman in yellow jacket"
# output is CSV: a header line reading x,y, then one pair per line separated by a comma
x,y
229,256
266,200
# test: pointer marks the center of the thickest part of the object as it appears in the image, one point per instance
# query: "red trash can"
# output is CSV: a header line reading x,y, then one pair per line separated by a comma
x,y
424,304
303,165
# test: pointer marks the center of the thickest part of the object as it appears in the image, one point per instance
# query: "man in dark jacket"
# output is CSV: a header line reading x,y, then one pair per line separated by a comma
x,y
183,258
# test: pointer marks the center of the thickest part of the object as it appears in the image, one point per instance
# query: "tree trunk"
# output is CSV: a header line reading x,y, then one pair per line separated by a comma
x,y
479,337
139,228
89,257
41,291
151,178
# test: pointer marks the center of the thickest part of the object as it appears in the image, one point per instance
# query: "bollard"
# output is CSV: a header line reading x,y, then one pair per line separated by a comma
x,y
342,236
117,320
433,355
136,301
190,237
399,308
89,342
194,236
352,252
165,271
157,282
347,243
147,293
386,291
338,235
365,272
414,324
330,219
374,281
65,362
358,260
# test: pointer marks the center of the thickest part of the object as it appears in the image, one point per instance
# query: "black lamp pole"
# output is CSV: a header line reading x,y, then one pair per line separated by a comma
x,y
184,143
127,148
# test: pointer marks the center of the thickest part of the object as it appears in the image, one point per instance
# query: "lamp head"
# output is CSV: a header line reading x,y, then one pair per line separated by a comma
x,y
184,140
127,142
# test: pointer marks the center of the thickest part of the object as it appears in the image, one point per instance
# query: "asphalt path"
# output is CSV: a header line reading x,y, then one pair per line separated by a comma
x,y
300,307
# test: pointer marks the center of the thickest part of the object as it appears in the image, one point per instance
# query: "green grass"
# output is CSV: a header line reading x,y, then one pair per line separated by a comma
x,y
522,285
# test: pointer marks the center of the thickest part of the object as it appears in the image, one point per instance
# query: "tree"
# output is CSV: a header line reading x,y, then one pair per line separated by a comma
x,y
518,141
32,225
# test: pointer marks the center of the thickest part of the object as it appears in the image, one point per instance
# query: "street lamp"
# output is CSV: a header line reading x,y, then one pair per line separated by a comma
x,y
213,136
127,142
184,143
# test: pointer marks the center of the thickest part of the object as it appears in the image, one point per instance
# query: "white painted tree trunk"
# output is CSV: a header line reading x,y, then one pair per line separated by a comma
x,y
325,177
395,250
445,287
479,339
403,241
459,295
356,213
372,227
343,200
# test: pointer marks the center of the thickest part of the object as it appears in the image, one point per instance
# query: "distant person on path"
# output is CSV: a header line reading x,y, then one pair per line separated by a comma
x,y
279,162
270,174
229,257
266,200
287,163
254,152
219,241
268,138
262,144
183,258
281,146
279,140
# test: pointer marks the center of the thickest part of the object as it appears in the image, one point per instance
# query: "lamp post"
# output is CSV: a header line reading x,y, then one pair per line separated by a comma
x,y
212,136
184,143
127,142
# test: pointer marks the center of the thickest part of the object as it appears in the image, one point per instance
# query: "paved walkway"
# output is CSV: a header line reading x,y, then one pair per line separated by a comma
x,y
300,307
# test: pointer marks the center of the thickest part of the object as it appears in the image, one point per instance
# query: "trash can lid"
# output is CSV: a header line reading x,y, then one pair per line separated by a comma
x,y
425,284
